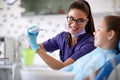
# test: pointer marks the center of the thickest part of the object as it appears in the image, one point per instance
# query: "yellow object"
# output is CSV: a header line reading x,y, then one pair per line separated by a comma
x,y
28,56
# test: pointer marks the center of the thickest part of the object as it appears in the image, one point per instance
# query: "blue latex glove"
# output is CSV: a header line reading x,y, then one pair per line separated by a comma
x,y
32,39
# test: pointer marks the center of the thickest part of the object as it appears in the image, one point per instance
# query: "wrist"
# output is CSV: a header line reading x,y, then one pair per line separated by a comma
x,y
37,47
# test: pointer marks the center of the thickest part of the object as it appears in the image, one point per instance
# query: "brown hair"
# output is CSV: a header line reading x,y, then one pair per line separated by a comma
x,y
85,7
113,23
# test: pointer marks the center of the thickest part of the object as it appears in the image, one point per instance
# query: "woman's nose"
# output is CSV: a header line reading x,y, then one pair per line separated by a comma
x,y
74,23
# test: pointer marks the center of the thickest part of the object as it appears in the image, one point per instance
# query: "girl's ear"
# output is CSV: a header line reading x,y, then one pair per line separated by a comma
x,y
111,34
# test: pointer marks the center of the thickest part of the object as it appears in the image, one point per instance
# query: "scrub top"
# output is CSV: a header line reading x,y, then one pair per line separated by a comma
x,y
89,63
85,44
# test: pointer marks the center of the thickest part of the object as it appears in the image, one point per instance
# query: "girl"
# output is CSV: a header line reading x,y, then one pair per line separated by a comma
x,y
106,40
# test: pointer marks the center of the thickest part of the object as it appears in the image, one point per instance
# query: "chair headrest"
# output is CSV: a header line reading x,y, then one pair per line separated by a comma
x,y
119,46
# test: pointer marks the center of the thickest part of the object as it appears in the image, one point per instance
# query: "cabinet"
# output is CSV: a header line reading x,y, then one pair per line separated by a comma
x,y
41,7
60,7
7,72
104,6
117,5
7,58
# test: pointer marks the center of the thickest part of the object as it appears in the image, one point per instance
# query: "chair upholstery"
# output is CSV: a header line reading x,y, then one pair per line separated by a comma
x,y
109,68
115,74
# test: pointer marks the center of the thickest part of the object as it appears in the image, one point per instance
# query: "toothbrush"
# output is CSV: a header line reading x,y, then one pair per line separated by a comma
x,y
35,29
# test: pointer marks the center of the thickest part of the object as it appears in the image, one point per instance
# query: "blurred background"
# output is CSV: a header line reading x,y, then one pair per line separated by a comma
x,y
50,15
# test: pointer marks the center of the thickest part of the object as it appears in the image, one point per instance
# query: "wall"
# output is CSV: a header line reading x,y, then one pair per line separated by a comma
x,y
12,24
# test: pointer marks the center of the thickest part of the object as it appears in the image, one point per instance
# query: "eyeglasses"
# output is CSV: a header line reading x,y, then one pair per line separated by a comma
x,y
79,21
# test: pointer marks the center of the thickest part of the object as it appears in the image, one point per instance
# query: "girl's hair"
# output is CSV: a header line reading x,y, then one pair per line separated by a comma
x,y
113,23
85,7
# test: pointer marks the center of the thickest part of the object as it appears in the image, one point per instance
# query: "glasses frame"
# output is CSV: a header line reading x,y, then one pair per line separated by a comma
x,y
79,21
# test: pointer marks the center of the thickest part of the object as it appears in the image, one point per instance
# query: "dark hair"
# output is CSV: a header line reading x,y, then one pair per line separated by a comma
x,y
85,7
113,23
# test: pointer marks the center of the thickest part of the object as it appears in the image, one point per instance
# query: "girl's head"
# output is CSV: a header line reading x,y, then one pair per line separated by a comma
x,y
108,33
113,23
79,17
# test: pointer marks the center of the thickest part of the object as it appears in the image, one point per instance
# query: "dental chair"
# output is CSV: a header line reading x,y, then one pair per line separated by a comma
x,y
115,75
111,69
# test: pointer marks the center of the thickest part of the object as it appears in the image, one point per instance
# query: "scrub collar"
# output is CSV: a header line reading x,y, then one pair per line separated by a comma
x,y
80,33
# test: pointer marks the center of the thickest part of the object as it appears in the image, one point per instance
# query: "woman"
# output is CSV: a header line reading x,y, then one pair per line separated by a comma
x,y
73,44
106,40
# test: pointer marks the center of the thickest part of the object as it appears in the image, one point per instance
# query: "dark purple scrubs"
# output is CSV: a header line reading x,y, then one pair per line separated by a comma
x,y
85,44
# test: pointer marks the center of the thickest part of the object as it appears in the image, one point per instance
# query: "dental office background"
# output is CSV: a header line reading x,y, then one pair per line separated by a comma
x,y
15,19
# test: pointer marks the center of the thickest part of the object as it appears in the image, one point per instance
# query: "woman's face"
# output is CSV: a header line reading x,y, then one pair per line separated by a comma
x,y
76,21
101,35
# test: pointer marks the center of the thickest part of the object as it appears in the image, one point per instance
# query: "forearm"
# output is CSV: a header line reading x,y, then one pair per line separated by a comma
x,y
49,60
39,48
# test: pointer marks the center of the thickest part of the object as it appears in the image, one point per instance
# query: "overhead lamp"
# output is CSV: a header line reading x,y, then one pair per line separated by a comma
x,y
10,2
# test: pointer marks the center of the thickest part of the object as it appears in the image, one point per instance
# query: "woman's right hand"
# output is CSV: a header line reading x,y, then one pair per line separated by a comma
x,y
32,39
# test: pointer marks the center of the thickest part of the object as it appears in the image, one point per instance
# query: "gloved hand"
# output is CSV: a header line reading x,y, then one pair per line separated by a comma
x,y
32,39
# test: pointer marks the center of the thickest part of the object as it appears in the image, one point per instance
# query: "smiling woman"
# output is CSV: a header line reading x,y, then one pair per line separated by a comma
x,y
76,42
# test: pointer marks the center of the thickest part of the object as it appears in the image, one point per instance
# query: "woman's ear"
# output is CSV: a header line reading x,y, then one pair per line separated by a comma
x,y
86,21
111,34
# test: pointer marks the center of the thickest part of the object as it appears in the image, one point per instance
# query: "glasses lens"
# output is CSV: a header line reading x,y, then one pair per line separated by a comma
x,y
80,21
71,19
